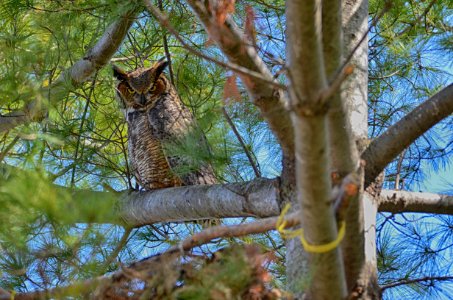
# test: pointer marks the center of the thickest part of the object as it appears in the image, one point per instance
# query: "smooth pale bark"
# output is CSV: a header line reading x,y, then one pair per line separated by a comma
x,y
360,266
355,87
323,271
343,151
269,100
403,201
95,59
258,198
366,285
399,136
223,201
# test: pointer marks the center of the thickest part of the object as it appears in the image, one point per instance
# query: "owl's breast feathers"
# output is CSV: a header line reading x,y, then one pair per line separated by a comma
x,y
149,163
165,122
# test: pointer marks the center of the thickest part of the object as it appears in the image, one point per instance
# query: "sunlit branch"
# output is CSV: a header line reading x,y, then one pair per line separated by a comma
x,y
403,201
400,135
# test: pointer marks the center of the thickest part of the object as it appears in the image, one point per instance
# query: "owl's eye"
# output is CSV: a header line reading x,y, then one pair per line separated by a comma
x,y
153,88
130,91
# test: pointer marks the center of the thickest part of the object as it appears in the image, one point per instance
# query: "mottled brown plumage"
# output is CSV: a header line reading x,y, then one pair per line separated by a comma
x,y
156,116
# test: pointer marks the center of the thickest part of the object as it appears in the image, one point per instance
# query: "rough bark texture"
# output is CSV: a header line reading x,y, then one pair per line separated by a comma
x,y
399,136
96,58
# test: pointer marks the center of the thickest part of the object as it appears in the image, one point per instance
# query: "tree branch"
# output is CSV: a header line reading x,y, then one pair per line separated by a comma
x,y
96,58
402,201
416,280
241,141
269,100
400,135
163,20
307,75
255,227
257,198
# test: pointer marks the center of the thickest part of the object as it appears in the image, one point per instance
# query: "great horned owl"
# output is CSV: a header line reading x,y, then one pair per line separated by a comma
x,y
156,117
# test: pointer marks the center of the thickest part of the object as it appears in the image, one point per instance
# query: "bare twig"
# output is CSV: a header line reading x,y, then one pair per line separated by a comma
x,y
335,85
255,227
82,123
122,242
8,148
416,280
241,141
398,170
167,52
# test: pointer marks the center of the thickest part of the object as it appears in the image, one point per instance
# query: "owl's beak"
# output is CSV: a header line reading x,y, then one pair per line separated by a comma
x,y
142,99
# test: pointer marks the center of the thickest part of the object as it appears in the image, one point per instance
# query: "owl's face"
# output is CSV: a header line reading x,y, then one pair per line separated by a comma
x,y
141,88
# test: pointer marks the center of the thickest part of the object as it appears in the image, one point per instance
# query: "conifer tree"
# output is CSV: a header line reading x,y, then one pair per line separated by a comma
x,y
302,102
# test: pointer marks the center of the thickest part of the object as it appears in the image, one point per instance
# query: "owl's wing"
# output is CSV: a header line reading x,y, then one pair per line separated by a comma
x,y
173,124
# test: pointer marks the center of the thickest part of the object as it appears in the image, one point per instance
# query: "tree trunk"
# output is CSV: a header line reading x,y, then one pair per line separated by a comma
x,y
359,245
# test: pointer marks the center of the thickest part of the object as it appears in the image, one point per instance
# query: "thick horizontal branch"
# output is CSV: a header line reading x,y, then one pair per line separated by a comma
x,y
258,198
399,136
402,201
96,58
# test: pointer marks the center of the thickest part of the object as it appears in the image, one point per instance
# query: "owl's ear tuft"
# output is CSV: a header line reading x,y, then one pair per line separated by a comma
x,y
119,73
160,66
